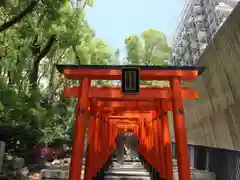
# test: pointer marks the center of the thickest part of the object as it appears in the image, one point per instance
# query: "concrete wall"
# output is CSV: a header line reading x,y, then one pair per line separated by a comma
x,y
214,119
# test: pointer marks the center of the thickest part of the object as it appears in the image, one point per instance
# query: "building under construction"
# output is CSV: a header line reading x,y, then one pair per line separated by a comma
x,y
200,20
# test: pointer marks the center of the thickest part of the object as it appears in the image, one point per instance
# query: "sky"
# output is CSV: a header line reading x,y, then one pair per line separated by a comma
x,y
114,20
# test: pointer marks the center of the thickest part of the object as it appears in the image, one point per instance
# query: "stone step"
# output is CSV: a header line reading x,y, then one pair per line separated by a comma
x,y
127,160
56,174
126,170
127,164
134,171
126,167
53,174
127,177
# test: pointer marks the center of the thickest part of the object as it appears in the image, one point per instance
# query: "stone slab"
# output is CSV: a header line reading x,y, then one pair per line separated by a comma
x,y
2,151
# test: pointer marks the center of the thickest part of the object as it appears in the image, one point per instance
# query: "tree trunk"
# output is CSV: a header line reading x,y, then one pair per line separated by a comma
x,y
38,56
19,17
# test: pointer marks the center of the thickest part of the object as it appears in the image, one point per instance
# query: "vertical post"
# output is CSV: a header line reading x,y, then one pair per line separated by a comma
x,y
96,144
89,160
167,144
160,144
79,130
153,145
140,135
156,145
111,134
145,141
180,130
105,142
101,142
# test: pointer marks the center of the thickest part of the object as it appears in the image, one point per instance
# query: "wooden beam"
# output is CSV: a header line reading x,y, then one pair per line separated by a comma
x,y
125,125
113,74
124,121
114,93
130,104
118,110
123,117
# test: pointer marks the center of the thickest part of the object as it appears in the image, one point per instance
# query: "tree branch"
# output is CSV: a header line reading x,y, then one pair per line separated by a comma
x,y
18,18
46,49
40,77
33,76
75,53
55,89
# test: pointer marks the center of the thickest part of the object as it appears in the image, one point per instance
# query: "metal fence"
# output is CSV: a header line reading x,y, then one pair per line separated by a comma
x,y
224,163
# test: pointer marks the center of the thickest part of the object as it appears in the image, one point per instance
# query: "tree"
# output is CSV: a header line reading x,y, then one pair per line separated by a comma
x,y
150,48
30,87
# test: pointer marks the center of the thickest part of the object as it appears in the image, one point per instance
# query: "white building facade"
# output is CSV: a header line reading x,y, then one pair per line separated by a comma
x,y
200,20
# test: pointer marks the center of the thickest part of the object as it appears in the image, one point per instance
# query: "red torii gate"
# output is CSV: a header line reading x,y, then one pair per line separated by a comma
x,y
87,73
97,94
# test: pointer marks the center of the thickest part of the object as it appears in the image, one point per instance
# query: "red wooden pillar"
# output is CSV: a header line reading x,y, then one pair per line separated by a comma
x,y
89,161
152,144
180,131
111,134
101,143
160,144
111,138
145,142
79,130
106,144
140,135
97,145
110,147
167,144
156,145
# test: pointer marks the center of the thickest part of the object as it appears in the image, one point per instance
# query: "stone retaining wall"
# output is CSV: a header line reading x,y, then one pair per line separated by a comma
x,y
214,119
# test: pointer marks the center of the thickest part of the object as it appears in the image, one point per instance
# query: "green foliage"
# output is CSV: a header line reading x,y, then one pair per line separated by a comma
x,y
35,35
32,111
150,48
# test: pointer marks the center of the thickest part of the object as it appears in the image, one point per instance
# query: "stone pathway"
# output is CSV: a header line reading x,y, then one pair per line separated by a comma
x,y
127,170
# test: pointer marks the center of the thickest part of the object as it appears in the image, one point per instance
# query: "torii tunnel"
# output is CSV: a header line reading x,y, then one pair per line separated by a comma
x,y
144,113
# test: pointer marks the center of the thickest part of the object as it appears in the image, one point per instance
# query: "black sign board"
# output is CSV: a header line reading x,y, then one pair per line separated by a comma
x,y
130,80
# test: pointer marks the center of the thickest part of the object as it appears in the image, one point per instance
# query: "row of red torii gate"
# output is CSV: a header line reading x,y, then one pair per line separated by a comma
x,y
143,110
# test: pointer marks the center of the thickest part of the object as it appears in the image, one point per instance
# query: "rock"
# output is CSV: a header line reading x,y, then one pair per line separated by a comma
x,y
13,168
56,162
24,171
67,161
3,177
35,167
8,157
11,173
20,174
54,174
2,150
17,163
